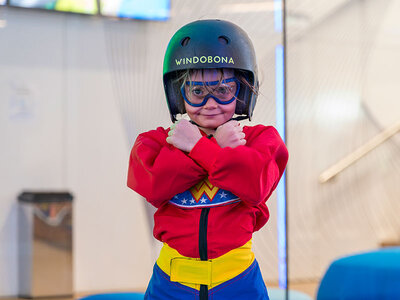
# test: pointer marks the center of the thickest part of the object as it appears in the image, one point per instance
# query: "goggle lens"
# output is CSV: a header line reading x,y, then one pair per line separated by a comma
x,y
197,93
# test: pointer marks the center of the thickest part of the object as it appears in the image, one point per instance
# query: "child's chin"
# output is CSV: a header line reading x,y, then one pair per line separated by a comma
x,y
210,124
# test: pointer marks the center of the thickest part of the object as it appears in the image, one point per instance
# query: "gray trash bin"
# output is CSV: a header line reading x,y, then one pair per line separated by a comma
x,y
45,244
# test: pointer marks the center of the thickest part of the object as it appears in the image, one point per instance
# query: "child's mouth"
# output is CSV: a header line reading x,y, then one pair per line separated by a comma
x,y
213,115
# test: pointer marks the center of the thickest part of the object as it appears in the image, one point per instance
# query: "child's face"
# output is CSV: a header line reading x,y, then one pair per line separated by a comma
x,y
212,114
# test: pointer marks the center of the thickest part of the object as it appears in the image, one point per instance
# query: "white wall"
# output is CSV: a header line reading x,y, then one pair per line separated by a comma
x,y
31,124
339,73
61,128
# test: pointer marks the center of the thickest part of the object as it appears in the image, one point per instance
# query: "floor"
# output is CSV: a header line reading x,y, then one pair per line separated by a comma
x,y
309,288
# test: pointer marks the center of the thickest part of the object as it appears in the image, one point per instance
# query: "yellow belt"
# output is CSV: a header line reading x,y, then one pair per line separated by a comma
x,y
192,271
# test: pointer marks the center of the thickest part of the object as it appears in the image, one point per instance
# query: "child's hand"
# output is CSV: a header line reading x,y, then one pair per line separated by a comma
x,y
230,134
183,135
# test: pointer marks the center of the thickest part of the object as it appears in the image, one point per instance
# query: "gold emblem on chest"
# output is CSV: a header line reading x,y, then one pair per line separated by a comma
x,y
203,187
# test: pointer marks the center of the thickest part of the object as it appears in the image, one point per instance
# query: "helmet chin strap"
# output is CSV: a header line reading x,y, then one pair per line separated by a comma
x,y
238,118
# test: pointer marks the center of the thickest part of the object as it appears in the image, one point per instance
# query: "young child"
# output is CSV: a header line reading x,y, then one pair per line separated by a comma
x,y
209,178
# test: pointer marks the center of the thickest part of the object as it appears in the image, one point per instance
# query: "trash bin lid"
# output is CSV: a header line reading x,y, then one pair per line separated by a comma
x,y
42,197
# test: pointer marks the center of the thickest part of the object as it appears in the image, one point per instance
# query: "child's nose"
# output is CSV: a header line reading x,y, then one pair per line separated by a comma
x,y
211,103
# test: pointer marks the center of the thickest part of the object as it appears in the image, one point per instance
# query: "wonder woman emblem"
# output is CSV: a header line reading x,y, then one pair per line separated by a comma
x,y
204,187
204,194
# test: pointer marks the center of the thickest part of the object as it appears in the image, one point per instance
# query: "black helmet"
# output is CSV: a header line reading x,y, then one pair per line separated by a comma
x,y
209,44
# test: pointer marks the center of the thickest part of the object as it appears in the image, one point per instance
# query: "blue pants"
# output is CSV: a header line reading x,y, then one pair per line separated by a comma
x,y
247,285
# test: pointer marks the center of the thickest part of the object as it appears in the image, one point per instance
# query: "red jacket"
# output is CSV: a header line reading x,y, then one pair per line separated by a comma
x,y
158,171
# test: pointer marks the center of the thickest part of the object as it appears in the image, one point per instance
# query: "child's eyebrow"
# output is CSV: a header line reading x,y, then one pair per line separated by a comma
x,y
210,82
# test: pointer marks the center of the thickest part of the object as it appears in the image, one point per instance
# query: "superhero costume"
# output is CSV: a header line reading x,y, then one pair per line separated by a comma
x,y
209,202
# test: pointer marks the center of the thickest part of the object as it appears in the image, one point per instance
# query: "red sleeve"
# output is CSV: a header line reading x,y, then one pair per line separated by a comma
x,y
252,171
158,171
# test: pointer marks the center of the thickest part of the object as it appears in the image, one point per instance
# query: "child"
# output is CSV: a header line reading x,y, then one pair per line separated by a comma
x,y
209,178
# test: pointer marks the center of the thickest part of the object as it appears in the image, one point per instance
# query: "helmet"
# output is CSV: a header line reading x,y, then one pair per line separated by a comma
x,y
208,44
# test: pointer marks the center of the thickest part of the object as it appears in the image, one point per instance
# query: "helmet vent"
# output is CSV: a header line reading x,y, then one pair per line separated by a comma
x,y
185,41
223,40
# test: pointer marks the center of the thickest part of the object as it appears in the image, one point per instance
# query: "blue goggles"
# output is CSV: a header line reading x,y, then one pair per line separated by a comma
x,y
223,92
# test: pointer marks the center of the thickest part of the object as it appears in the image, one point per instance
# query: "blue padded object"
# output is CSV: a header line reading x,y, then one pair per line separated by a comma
x,y
115,296
371,275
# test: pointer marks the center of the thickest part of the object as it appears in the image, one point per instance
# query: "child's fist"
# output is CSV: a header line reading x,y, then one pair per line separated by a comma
x,y
183,135
230,134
